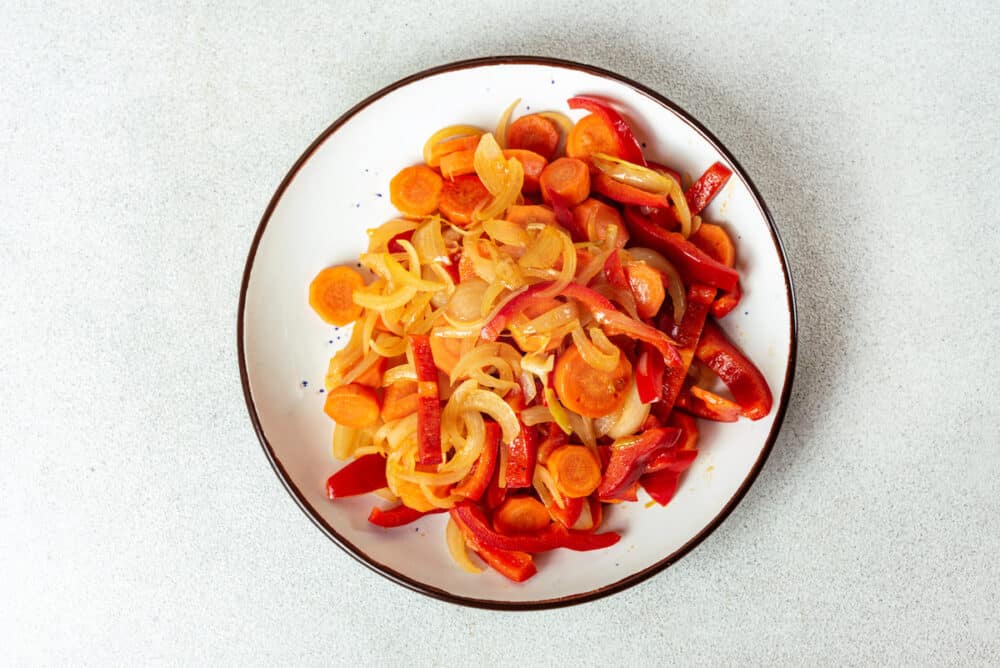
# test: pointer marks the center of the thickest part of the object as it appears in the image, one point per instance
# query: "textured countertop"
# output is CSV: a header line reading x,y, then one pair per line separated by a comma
x,y
140,523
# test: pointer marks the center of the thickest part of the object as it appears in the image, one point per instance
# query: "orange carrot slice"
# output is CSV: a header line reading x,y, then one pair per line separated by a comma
x,y
415,190
330,295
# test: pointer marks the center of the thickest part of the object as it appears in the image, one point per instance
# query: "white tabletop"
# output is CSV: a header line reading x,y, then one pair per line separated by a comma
x,y
140,522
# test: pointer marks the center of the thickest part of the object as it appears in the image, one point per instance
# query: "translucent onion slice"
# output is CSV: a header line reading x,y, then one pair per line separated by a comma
x,y
536,415
490,165
632,174
379,237
543,481
346,441
506,232
508,196
466,303
592,355
457,548
568,270
544,250
498,409
388,345
633,414
398,373
584,428
429,243
504,123
444,134
675,287
559,414
370,360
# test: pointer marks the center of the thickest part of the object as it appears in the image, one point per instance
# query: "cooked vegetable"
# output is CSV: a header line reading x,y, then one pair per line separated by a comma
x,y
330,295
516,360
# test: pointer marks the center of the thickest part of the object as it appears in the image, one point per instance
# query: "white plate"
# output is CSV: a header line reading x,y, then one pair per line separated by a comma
x,y
318,217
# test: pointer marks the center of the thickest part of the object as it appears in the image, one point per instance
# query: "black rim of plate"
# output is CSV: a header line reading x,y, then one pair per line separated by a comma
x,y
629,580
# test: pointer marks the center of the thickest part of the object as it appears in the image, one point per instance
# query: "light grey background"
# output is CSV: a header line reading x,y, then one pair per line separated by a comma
x,y
140,522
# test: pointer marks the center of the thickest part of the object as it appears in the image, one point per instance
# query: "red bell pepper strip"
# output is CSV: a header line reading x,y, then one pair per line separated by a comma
x,y
676,459
740,375
472,519
429,408
495,494
661,486
615,272
474,485
397,516
569,513
363,475
708,405
689,430
492,330
628,462
521,453
394,246
695,265
663,169
726,302
628,147
516,566
649,374
707,187
626,194
699,299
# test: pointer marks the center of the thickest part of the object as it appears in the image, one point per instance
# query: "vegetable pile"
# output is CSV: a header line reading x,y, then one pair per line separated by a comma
x,y
538,339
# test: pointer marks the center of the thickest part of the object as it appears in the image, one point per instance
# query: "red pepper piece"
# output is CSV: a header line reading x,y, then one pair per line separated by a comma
x,y
397,516
699,299
692,262
521,453
707,187
740,375
495,494
429,408
476,483
615,272
726,302
689,430
516,566
394,246
491,331
363,475
708,405
472,519
661,486
649,374
626,194
628,147
676,459
569,514
628,462
663,169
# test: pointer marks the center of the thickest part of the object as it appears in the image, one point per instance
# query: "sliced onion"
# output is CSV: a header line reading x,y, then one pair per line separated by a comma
x,y
457,548
490,165
632,174
594,356
398,373
559,414
498,409
504,123
546,487
506,232
379,237
450,132
545,249
675,287
346,441
466,302
536,415
429,243
584,428
634,413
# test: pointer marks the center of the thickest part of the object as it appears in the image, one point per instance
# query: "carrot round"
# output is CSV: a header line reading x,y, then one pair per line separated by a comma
x,y
331,295
415,190
460,197
352,405
647,288
399,400
372,376
566,180
591,135
716,243
534,133
575,470
588,391
458,163
520,515
592,220
533,163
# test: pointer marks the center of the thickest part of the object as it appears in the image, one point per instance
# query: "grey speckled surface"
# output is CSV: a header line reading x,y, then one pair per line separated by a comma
x,y
140,523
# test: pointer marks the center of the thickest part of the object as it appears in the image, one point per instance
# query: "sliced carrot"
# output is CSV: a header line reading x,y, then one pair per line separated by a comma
x,y
331,295
575,470
716,242
352,405
415,190
520,515
588,391
399,400
533,163
458,163
449,146
534,133
461,197
372,377
522,214
647,288
446,351
593,219
591,135
566,180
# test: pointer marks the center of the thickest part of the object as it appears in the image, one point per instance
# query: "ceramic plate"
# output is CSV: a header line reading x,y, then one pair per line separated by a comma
x,y
318,217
